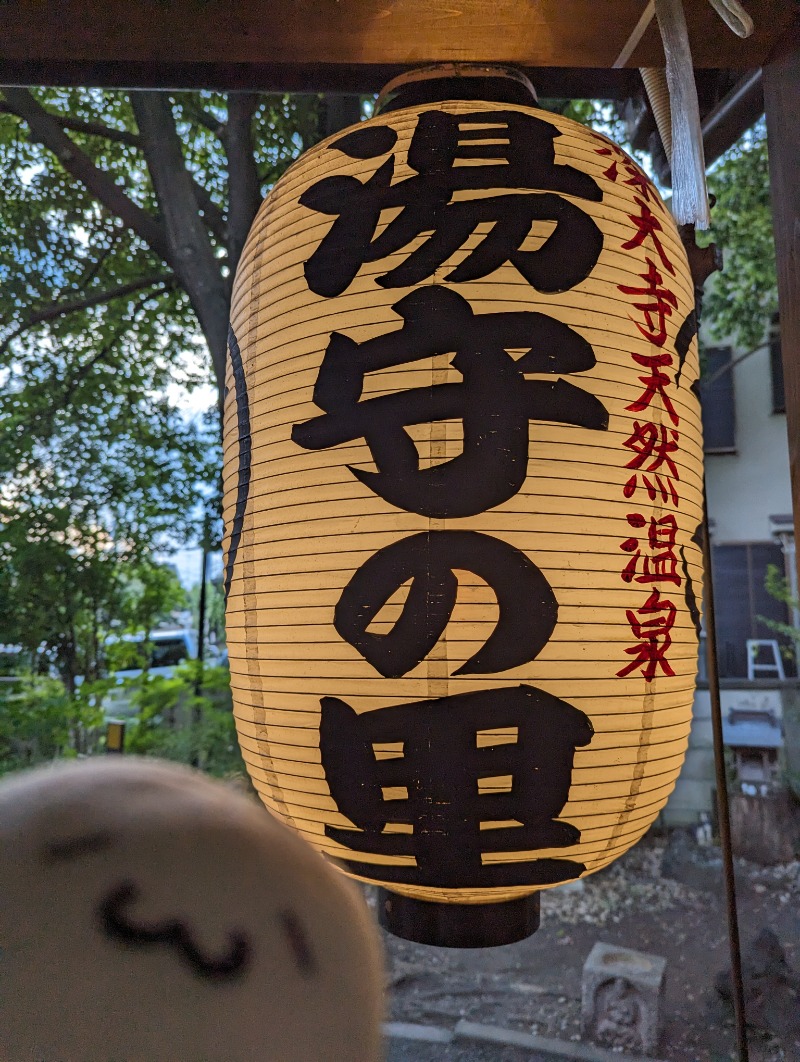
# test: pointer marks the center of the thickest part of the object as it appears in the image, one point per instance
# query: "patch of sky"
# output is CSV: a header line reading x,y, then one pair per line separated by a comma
x,y
26,174
187,562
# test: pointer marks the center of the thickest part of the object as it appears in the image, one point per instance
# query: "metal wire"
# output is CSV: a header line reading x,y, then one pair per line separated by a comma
x,y
722,800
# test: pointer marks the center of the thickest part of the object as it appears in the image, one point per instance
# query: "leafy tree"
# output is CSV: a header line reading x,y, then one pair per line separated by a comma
x,y
741,299
178,721
125,214
215,608
151,594
778,586
56,584
39,722
65,584
87,488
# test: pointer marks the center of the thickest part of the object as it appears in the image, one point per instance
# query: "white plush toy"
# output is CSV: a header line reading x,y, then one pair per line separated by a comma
x,y
148,914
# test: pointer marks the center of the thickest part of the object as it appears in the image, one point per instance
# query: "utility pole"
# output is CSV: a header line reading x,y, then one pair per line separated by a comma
x,y
201,631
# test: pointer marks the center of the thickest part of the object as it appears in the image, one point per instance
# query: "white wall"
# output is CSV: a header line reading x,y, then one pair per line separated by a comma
x,y
745,488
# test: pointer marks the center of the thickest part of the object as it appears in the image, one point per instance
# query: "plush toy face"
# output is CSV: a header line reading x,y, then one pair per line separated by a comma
x,y
150,915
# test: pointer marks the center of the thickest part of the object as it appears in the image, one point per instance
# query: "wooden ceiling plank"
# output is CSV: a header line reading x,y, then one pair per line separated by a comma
x,y
529,33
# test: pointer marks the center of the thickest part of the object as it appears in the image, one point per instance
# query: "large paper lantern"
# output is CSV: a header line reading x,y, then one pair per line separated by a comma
x,y
463,485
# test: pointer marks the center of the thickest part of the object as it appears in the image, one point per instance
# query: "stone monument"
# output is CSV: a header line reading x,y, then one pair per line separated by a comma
x,y
622,993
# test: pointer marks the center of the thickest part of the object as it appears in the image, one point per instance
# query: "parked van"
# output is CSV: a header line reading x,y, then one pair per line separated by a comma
x,y
168,649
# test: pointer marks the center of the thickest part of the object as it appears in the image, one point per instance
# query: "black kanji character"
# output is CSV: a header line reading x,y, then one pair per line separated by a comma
x,y
456,154
495,402
528,609
437,752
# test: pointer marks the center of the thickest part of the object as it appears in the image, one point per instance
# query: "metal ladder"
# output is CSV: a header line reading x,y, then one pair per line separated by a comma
x,y
754,647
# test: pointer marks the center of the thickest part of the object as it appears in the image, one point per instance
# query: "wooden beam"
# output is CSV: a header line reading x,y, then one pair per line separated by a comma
x,y
781,96
733,115
38,38
364,78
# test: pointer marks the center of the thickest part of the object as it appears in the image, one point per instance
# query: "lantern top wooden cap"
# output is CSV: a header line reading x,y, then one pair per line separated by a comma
x,y
456,81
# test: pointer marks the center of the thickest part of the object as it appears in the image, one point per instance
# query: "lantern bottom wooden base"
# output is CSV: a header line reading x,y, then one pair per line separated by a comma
x,y
458,925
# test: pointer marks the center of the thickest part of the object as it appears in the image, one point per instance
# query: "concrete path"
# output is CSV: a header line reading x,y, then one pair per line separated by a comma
x,y
457,1051
474,1042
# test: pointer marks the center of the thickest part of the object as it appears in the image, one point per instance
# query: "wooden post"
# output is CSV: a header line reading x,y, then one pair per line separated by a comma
x,y
115,736
781,96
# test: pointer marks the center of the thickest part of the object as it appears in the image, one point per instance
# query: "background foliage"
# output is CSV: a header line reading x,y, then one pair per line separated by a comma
x,y
177,723
741,300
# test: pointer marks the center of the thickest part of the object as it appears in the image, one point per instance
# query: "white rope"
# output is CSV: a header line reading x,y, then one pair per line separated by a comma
x,y
734,16
636,36
684,148
689,194
730,11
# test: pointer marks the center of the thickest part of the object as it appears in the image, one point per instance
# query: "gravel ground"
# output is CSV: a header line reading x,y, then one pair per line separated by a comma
x,y
534,986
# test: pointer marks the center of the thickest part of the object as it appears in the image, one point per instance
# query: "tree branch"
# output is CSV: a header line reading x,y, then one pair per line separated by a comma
x,y
45,421
212,212
46,130
728,366
97,299
91,129
109,345
97,265
192,255
243,181
121,136
205,118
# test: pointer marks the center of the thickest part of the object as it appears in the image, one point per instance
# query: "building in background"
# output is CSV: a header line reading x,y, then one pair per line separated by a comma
x,y
750,506
749,494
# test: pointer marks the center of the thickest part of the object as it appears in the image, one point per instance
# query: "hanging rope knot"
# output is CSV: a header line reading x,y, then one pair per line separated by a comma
x,y
673,98
734,16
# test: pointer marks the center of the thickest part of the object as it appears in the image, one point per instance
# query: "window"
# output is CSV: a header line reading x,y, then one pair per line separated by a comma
x,y
717,402
740,598
776,366
168,652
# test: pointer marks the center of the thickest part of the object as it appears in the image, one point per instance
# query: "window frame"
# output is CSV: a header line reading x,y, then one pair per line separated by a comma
x,y
718,402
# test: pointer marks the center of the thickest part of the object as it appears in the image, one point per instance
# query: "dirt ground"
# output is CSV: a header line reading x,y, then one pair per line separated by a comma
x,y
534,986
